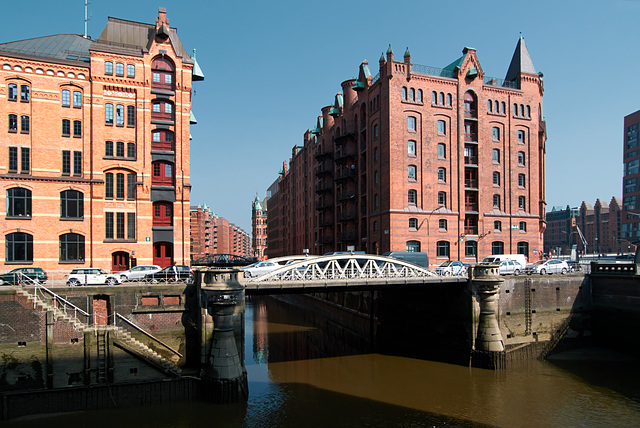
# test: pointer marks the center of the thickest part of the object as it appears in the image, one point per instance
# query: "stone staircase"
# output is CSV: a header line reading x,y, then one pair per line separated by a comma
x,y
68,313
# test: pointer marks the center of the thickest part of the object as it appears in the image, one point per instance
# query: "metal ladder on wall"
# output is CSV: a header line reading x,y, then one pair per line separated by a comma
x,y
101,343
527,306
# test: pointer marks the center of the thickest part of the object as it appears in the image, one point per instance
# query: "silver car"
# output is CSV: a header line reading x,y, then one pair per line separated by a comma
x,y
137,273
510,267
548,267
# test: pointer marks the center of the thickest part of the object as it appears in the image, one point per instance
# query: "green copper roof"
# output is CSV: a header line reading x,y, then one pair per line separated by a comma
x,y
454,64
192,118
389,50
407,53
197,73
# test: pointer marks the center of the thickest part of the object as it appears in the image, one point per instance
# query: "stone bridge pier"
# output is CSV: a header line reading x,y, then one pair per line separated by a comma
x,y
224,376
488,351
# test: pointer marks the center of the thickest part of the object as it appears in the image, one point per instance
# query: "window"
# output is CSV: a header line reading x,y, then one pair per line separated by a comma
x,y
13,159
108,148
77,99
495,132
108,67
523,248
441,98
66,98
449,100
163,214
522,203
497,247
413,223
119,115
375,131
131,225
108,185
162,74
521,181
496,201
120,149
471,249
495,154
131,70
13,123
521,158
490,106
529,111
413,246
411,123
442,175
375,177
77,163
119,69
496,178
131,150
66,162
66,127
504,107
131,187
24,124
119,225
24,93
497,226
77,128
442,249
404,93
412,172
442,199
412,197
420,95
162,140
120,186
162,110
376,201
108,225
442,225
442,151
108,114
13,92
18,202
411,148
442,127
523,226
375,226
19,247
24,160
434,97
162,173
71,247
412,94
515,109
71,204
521,137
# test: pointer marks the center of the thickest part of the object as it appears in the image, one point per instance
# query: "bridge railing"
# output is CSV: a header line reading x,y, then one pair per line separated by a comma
x,y
344,266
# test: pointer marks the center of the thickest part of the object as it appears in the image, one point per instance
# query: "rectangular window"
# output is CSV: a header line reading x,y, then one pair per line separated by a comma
x,y
131,187
442,127
411,148
131,225
131,150
119,186
411,123
120,149
108,225
108,114
77,99
13,92
119,225
108,185
496,133
131,116
24,93
120,115
66,162
77,128
13,123
108,67
77,163
119,69
24,160
13,159
66,98
108,148
131,70
24,124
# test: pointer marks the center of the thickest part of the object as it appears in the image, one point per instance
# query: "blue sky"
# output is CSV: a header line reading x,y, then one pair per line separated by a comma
x,y
271,66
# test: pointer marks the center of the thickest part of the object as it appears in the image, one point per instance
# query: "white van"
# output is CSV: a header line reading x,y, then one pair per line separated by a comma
x,y
497,258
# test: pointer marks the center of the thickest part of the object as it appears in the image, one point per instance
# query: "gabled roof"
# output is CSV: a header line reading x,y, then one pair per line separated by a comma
x,y
521,62
67,47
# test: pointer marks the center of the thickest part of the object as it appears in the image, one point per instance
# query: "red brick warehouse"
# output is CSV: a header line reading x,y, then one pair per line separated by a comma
x,y
448,161
95,156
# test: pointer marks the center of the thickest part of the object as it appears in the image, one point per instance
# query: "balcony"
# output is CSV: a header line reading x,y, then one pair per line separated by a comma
x,y
471,160
471,207
348,216
471,230
345,174
344,154
163,145
325,168
323,153
471,137
324,187
346,195
324,205
341,139
470,183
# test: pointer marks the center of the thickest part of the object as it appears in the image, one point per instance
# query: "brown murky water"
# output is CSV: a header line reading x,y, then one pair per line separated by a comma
x,y
302,375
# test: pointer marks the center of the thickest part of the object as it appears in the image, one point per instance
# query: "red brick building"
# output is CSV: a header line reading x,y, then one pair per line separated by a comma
x,y
259,225
448,161
210,234
94,161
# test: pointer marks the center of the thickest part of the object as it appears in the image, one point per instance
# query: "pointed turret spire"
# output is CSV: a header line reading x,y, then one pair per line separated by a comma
x,y
521,61
389,50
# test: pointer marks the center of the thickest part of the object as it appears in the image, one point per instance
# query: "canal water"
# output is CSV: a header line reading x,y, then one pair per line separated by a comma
x,y
307,371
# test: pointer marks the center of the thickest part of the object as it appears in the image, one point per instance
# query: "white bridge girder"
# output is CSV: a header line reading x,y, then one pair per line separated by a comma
x,y
341,267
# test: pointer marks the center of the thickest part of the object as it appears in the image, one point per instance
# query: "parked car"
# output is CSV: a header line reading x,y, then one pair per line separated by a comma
x,y
16,275
175,273
548,267
138,273
260,268
497,258
510,267
451,268
91,276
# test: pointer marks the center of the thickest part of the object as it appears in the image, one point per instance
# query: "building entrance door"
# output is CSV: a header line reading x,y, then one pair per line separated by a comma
x,y
119,261
163,254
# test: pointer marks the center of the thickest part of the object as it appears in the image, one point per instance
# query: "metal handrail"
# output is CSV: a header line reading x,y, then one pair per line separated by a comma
x,y
56,298
117,315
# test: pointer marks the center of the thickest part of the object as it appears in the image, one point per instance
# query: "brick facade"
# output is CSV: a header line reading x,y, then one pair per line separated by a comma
x,y
259,226
445,161
94,163
211,234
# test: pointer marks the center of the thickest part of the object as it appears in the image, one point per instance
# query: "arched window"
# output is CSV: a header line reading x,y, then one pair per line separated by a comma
x,y
522,202
411,148
496,178
71,247
162,72
108,114
66,98
521,159
411,123
412,94
412,197
521,137
411,174
497,247
521,110
495,155
442,225
522,182
442,151
496,201
119,115
495,133
515,109
413,246
108,67
490,106
420,95
18,202
442,175
119,69
442,127
523,248
13,92
404,93
470,105
19,247
434,97
449,100
504,107
529,111
442,249
441,98
71,204
442,199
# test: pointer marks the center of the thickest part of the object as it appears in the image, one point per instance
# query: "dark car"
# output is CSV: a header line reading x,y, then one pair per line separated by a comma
x,y
16,276
175,273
